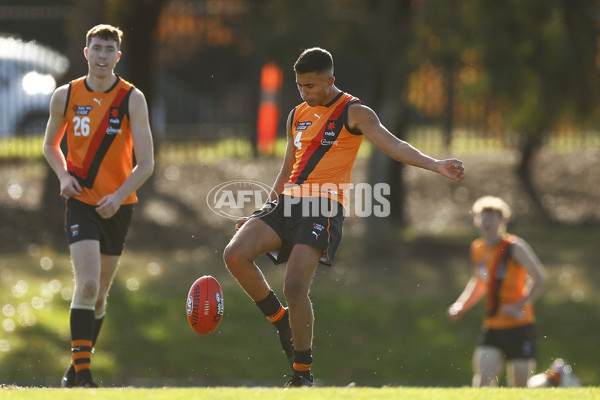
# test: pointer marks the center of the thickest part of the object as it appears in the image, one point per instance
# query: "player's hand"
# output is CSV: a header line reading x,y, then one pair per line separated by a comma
x,y
513,310
240,221
452,168
108,206
455,312
69,187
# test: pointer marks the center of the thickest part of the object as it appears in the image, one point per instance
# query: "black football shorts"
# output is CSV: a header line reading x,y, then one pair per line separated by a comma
x,y
310,220
82,222
515,343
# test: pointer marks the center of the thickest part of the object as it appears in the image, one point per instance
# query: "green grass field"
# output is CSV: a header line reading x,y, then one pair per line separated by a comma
x,y
376,326
380,320
327,393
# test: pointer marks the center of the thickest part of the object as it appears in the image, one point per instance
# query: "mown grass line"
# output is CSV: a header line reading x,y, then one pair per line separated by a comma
x,y
328,393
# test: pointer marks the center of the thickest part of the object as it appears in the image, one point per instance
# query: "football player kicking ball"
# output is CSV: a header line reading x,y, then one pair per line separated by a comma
x,y
324,134
106,122
502,265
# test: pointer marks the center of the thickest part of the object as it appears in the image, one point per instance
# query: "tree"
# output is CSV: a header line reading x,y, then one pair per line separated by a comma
x,y
138,19
442,36
539,60
532,65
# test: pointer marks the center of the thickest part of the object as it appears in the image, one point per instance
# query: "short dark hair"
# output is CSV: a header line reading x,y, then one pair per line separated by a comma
x,y
104,32
314,59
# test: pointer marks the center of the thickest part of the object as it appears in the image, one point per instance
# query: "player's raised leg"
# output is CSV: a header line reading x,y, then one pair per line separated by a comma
x,y
252,240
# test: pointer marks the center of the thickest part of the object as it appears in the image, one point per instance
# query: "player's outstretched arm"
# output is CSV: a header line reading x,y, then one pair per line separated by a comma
x,y
362,118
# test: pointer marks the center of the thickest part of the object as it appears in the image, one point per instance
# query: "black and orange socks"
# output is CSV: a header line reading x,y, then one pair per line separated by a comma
x,y
272,308
302,362
82,335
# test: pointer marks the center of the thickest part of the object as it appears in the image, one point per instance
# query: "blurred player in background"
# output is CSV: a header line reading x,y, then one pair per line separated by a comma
x,y
324,134
559,374
502,266
105,119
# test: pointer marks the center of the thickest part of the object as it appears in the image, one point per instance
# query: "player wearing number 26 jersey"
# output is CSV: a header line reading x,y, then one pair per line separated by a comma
x,y
99,139
106,123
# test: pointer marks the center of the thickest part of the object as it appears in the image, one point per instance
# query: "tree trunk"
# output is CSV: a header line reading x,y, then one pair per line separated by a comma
x,y
529,149
383,169
448,122
139,30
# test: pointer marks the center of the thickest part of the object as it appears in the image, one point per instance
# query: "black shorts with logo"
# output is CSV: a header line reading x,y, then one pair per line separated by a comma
x,y
309,220
514,343
82,222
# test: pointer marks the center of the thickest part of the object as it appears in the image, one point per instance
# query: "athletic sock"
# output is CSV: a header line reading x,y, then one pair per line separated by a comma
x,y
272,308
303,362
82,331
97,326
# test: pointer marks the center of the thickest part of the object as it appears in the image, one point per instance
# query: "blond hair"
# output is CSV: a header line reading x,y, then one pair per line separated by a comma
x,y
492,203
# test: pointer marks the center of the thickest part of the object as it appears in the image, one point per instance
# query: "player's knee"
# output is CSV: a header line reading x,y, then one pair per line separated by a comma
x,y
294,292
232,257
229,255
88,290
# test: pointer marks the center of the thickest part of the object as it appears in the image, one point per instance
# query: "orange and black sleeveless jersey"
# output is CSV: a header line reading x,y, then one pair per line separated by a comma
x,y
506,282
99,139
326,149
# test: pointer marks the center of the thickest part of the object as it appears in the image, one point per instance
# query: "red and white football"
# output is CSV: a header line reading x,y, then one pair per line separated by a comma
x,y
205,305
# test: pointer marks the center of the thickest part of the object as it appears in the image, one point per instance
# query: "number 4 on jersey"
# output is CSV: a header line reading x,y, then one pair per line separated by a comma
x,y
297,141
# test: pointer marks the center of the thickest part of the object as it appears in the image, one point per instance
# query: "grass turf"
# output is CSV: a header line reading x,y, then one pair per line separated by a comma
x,y
327,393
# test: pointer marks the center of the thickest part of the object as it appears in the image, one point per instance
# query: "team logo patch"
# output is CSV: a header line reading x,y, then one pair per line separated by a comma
x,y
114,119
82,110
317,230
302,125
75,230
330,135
328,142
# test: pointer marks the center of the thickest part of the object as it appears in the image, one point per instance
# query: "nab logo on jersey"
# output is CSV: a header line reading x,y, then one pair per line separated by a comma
x,y
114,120
330,135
